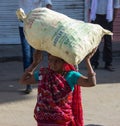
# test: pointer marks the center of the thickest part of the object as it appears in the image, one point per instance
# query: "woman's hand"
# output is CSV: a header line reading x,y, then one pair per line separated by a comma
x,y
91,79
89,56
27,78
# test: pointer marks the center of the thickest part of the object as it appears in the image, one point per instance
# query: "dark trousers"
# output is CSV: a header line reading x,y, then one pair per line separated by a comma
x,y
107,49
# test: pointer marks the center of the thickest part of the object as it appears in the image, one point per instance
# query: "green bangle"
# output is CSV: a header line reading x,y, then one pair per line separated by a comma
x,y
36,75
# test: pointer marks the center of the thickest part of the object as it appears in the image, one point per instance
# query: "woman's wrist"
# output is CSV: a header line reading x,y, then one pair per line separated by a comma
x,y
91,74
92,78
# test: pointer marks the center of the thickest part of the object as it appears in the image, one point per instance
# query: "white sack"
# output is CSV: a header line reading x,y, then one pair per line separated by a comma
x,y
61,35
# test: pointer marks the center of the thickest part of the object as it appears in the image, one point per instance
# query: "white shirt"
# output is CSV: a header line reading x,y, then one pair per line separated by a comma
x,y
103,7
28,5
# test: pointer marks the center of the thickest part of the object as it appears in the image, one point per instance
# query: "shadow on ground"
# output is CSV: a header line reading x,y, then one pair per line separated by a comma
x,y
10,89
93,125
105,76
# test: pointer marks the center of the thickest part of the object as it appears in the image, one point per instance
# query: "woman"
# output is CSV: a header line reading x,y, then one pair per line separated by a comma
x,y
59,99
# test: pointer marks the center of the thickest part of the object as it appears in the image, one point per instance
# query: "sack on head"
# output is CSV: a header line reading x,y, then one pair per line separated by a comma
x,y
61,35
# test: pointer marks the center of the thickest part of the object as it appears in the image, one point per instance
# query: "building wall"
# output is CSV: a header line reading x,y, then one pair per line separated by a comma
x,y
72,8
8,22
116,28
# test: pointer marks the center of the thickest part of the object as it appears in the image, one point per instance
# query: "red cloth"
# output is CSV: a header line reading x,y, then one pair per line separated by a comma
x,y
63,115
77,100
54,100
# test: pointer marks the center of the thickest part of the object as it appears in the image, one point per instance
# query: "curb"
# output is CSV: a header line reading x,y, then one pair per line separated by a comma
x,y
116,54
10,59
12,52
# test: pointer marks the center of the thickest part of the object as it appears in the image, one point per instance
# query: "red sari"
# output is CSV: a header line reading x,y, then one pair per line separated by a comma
x,y
56,104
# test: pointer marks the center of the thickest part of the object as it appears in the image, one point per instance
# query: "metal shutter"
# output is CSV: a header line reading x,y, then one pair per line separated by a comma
x,y
9,33
72,8
8,22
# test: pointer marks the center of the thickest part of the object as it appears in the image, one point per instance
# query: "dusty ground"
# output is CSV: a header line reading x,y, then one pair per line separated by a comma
x,y
101,103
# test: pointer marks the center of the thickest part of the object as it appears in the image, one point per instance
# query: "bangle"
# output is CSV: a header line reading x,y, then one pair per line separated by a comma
x,y
36,75
92,74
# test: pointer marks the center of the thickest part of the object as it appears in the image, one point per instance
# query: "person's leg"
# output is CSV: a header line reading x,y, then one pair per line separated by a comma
x,y
107,50
27,51
95,58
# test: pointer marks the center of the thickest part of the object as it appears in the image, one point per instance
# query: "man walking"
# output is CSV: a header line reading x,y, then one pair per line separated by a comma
x,y
103,12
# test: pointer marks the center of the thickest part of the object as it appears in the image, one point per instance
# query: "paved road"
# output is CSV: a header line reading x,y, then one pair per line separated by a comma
x,y
101,103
